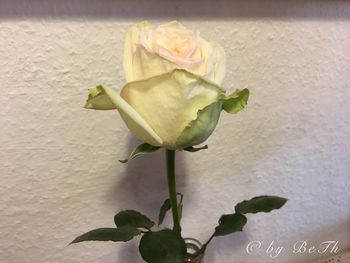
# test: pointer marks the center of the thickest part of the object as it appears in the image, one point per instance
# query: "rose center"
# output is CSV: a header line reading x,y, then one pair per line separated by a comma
x,y
177,43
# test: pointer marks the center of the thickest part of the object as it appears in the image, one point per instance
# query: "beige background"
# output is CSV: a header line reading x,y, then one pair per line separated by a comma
x,y
59,170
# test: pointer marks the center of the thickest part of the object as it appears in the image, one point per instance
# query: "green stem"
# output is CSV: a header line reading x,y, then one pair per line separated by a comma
x,y
204,247
170,161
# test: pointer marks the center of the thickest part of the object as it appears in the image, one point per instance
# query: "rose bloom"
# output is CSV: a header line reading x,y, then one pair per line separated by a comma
x,y
152,50
172,96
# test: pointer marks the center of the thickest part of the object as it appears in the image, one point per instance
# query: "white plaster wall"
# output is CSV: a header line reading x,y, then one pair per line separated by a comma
x,y
59,172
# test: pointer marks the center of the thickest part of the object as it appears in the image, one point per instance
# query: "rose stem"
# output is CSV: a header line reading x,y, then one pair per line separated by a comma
x,y
170,161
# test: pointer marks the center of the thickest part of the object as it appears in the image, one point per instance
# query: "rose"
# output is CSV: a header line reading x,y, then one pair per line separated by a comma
x,y
153,50
172,97
174,110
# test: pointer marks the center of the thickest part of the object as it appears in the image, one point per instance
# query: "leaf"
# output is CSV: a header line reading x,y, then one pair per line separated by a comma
x,y
193,149
132,218
229,224
163,209
260,204
166,207
236,101
165,246
108,234
139,150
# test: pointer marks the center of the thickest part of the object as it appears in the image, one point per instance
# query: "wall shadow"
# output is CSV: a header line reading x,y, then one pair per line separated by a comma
x,y
137,9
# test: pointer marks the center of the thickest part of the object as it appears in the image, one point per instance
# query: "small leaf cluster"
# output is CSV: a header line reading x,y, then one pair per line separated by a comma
x,y
167,245
155,246
231,223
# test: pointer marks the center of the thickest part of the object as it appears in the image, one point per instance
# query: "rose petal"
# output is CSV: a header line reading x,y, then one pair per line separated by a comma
x,y
139,62
101,98
169,102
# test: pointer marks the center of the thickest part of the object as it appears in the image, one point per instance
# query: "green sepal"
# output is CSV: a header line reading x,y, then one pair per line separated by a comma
x,y
258,204
132,218
198,130
164,246
236,101
140,150
195,149
229,224
99,100
166,206
124,234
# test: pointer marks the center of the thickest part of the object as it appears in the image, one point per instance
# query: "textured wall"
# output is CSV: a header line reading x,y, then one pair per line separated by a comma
x,y
59,172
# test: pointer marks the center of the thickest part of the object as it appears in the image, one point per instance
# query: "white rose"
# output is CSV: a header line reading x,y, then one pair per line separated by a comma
x,y
172,97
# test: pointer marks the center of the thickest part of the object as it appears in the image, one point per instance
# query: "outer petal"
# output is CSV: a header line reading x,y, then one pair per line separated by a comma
x,y
139,63
218,64
132,41
101,98
169,102
198,130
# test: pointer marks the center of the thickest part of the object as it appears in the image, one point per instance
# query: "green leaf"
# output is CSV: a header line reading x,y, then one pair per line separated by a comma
x,y
132,218
236,101
193,149
139,150
167,206
229,224
165,246
109,234
163,209
260,204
